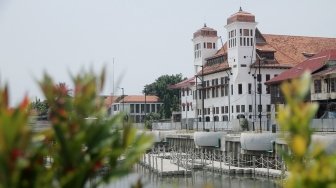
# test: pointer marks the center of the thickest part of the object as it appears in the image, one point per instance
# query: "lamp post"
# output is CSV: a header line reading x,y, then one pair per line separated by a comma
x,y
203,92
123,98
213,117
196,99
260,98
255,100
145,104
186,110
229,92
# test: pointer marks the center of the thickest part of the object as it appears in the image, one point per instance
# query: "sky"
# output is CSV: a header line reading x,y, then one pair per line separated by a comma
x,y
144,38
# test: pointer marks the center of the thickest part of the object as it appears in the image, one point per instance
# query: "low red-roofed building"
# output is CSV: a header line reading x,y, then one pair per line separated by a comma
x,y
136,107
322,67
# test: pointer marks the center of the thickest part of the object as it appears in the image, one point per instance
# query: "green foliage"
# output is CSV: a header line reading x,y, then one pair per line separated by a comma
x,y
82,139
150,118
308,167
41,107
170,98
243,123
21,156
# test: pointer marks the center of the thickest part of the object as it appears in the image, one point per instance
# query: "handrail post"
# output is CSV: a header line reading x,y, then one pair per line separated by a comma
x,y
267,161
213,156
149,161
253,160
161,166
156,164
220,163
229,164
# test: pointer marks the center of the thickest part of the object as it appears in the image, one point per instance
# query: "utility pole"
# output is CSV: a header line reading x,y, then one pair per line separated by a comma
x,y
213,117
260,98
196,99
203,93
229,91
186,110
145,105
123,99
255,100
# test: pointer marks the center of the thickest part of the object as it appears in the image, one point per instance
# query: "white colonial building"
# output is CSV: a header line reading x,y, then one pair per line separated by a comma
x,y
136,107
229,82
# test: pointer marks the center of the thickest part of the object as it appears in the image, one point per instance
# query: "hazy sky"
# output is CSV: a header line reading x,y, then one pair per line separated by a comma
x,y
147,38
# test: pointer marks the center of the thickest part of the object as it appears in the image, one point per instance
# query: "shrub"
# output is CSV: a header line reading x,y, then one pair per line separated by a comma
x,y
308,167
243,124
81,141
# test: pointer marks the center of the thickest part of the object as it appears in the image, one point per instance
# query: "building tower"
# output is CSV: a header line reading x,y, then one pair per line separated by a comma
x,y
205,45
241,28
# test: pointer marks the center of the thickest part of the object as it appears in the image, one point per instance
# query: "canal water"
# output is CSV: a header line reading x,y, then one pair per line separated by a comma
x,y
198,179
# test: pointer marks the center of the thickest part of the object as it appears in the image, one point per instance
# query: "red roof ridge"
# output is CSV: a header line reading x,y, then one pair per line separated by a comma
x,y
184,83
318,57
304,36
312,64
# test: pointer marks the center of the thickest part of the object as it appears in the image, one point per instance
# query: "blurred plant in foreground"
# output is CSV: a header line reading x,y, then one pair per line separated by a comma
x,y
308,163
81,141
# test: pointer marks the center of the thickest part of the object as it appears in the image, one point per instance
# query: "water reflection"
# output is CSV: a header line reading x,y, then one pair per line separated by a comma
x,y
198,179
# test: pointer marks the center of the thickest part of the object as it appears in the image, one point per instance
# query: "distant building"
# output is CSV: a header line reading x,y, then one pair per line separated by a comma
x,y
136,107
229,83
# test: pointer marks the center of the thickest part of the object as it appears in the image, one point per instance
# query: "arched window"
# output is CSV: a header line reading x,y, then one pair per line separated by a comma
x,y
240,116
225,118
199,119
216,118
207,119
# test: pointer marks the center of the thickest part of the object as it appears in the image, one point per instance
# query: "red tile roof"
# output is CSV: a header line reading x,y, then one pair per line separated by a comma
x,y
184,84
241,16
130,99
206,31
218,67
312,64
222,50
139,99
290,49
109,100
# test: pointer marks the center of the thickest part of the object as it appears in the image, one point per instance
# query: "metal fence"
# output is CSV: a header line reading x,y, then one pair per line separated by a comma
x,y
318,125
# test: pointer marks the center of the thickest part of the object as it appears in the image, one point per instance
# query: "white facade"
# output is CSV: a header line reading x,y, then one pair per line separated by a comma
x,y
135,110
323,87
205,45
187,107
232,93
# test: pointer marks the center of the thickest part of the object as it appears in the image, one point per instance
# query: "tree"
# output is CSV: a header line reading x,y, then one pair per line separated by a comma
x,y
41,107
169,98
150,118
